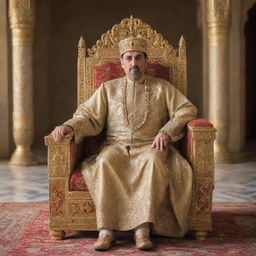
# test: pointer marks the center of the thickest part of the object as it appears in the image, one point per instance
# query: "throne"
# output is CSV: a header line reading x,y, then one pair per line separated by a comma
x,y
71,206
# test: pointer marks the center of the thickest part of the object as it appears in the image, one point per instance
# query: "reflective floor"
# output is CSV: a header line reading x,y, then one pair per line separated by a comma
x,y
234,182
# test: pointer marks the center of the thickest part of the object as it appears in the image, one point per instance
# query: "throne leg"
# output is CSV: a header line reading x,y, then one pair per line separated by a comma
x,y
57,234
200,235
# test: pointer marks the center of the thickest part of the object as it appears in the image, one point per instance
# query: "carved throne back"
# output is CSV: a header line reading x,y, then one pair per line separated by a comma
x,y
103,61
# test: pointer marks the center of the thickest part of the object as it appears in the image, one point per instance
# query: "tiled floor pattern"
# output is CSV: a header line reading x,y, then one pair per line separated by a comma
x,y
23,184
233,182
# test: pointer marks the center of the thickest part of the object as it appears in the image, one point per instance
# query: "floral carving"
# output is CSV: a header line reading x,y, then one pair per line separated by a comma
x,y
57,197
58,161
131,27
203,197
79,208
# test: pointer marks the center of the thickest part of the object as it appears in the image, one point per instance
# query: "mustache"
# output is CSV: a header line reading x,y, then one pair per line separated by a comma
x,y
134,67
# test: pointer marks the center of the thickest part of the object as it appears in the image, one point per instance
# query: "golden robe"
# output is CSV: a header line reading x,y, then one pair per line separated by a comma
x,y
130,182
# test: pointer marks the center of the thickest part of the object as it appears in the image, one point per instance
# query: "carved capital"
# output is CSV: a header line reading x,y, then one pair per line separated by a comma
x,y
218,13
22,14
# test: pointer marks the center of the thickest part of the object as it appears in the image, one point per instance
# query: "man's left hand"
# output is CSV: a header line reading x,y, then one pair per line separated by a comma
x,y
160,142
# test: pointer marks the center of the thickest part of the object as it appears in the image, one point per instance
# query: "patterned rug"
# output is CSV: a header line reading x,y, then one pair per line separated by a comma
x,y
24,232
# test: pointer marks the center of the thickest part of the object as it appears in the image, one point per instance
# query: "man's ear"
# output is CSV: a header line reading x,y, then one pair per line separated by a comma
x,y
121,60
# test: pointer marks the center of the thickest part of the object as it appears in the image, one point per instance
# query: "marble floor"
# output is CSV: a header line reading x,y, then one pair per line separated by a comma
x,y
234,182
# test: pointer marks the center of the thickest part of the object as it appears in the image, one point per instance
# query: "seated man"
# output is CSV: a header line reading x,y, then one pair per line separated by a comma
x,y
137,181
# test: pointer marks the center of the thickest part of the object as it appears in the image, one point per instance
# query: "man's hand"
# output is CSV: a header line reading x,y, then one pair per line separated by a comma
x,y
62,131
160,142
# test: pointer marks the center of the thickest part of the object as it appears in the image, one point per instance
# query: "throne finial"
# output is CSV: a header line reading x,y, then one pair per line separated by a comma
x,y
182,42
131,16
182,47
81,43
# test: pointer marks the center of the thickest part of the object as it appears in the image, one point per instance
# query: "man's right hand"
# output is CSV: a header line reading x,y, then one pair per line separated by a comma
x,y
62,131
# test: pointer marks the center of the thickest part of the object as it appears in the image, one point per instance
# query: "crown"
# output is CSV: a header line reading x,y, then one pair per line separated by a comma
x,y
132,44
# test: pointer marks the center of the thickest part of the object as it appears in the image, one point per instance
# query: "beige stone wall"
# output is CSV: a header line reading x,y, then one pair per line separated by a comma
x,y
59,25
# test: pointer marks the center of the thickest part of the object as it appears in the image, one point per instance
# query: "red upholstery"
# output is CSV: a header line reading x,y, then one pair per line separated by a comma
x,y
105,72
76,182
200,123
112,70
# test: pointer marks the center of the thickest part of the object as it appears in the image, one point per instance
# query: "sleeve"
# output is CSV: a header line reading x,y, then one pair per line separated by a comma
x,y
90,116
181,111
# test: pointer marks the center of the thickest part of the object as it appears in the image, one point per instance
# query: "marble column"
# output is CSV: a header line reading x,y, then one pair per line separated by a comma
x,y
22,16
218,25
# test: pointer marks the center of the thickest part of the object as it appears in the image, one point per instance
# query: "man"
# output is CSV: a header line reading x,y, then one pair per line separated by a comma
x,y
137,181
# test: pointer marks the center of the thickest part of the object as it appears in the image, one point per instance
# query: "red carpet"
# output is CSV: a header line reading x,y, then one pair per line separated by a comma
x,y
24,232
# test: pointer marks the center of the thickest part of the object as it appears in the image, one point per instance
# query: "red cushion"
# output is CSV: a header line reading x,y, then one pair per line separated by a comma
x,y
200,123
76,182
105,72
157,70
111,70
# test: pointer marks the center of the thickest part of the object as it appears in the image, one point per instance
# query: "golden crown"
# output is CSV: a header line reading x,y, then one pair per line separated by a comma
x,y
132,44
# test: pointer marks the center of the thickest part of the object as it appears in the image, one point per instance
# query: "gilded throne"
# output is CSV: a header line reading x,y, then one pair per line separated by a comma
x,y
71,206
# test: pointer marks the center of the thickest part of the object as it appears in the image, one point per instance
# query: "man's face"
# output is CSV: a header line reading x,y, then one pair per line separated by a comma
x,y
134,64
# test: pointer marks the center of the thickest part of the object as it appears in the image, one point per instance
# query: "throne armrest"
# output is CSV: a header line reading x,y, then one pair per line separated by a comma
x,y
201,135
200,154
63,157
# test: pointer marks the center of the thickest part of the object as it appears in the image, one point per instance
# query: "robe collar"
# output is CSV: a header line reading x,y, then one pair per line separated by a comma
x,y
141,80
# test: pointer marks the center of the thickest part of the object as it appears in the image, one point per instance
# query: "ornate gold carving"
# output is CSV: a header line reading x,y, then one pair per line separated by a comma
x,y
79,195
87,89
182,48
203,196
219,14
57,197
58,161
106,49
205,134
203,167
49,141
204,163
87,222
131,27
182,85
81,71
78,208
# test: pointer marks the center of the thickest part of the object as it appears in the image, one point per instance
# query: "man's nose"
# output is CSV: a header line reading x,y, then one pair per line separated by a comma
x,y
133,62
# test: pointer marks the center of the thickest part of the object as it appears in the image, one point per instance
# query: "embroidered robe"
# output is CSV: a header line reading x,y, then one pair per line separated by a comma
x,y
130,182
